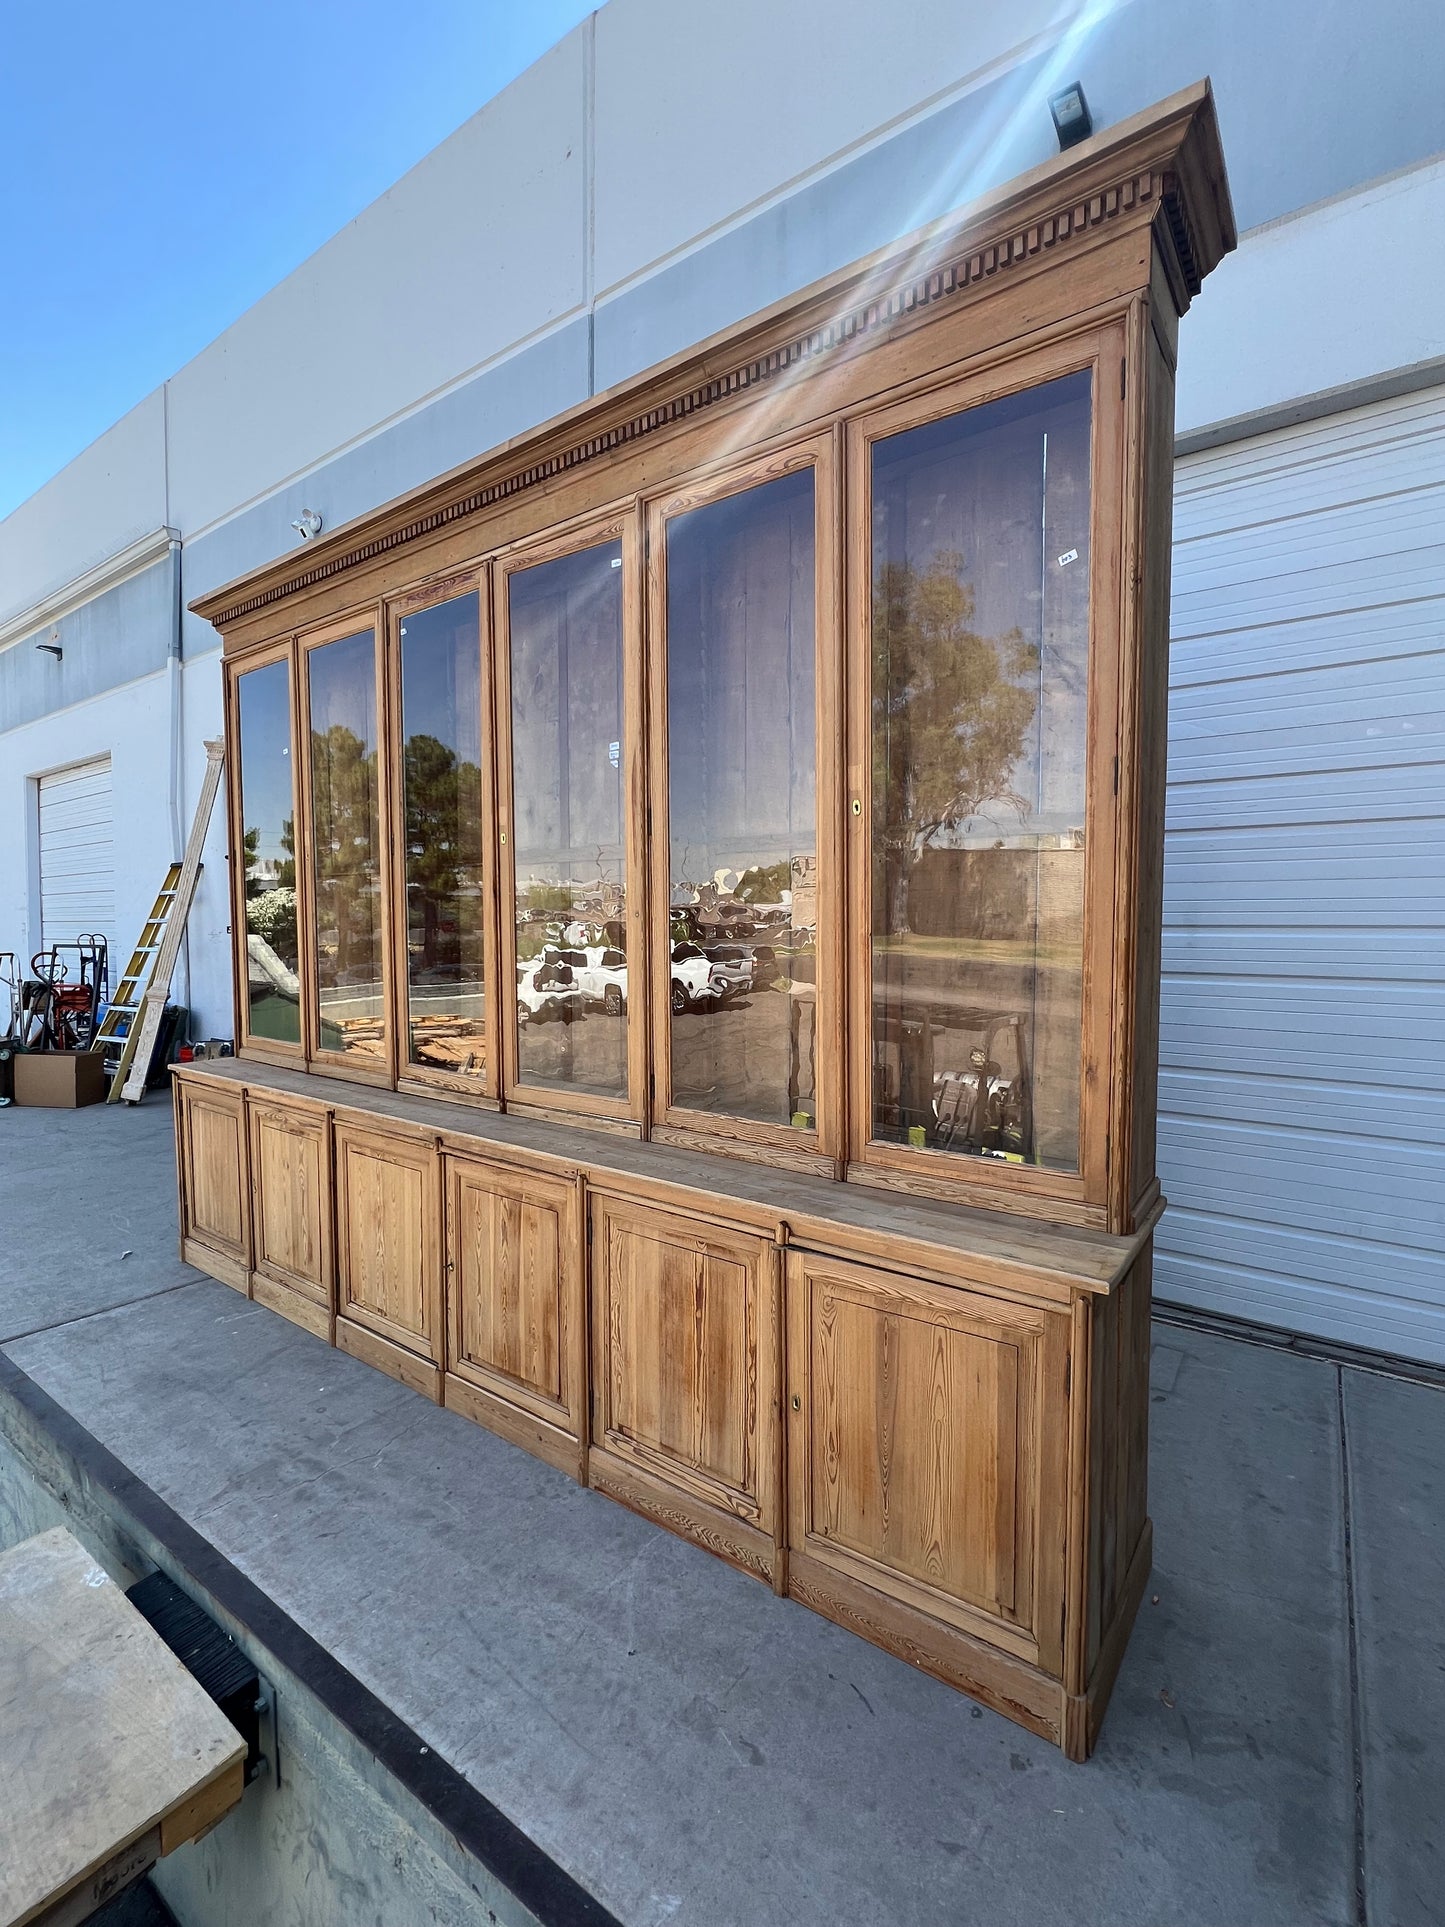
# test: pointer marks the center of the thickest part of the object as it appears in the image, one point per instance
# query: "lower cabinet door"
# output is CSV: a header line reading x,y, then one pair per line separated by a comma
x,y
215,1218
291,1261
686,1377
388,1252
927,1453
516,1357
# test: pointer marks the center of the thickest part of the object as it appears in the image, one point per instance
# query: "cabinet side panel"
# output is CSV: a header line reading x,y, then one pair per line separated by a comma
x,y
1119,1459
1153,699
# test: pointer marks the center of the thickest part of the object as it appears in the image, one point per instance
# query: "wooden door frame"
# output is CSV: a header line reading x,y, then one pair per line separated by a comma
x,y
821,1148
415,600
622,524
1080,1196
369,618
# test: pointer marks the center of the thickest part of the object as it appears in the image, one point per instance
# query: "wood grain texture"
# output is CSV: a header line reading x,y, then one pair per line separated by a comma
x,y
106,1741
681,1376
514,1289
291,1200
388,1236
214,1172
920,1458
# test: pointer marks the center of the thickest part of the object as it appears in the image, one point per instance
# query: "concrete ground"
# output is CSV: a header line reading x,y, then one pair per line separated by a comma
x,y
698,1751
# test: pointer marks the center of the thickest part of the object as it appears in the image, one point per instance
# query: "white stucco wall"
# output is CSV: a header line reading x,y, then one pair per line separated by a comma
x,y
1335,294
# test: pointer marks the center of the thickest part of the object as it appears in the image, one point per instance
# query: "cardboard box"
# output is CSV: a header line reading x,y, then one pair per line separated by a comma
x,y
60,1080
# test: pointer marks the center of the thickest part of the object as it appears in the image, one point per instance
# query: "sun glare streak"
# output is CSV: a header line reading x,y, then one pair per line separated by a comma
x,y
1004,144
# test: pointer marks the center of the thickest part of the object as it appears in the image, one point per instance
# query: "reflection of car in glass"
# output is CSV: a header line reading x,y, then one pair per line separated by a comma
x,y
602,978
546,988
695,979
734,963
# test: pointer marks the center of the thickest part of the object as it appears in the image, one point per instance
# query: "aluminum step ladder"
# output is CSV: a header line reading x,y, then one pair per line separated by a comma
x,y
133,1020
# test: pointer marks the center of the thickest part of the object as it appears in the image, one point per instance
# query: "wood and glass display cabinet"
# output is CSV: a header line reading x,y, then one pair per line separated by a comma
x,y
696,880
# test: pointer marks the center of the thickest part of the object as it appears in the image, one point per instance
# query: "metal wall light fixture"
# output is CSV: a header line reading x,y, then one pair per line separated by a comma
x,y
52,648
307,524
1072,120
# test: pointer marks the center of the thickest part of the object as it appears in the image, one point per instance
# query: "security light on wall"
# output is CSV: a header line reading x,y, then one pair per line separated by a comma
x,y
307,524
1072,120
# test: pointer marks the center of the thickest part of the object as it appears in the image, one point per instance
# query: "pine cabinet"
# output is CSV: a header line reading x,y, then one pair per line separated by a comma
x,y
703,857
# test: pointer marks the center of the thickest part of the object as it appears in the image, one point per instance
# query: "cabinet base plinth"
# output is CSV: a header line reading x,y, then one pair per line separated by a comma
x,y
307,1312
217,1264
419,1373
534,1435
1009,1686
742,1545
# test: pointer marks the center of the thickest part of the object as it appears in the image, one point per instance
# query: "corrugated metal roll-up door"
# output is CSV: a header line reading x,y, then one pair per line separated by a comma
x,y
1302,1080
77,855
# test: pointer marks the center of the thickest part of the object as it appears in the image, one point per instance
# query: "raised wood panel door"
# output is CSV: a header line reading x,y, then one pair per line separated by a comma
x,y
685,1369
213,1179
514,1282
926,1448
291,1213
388,1236
291,1203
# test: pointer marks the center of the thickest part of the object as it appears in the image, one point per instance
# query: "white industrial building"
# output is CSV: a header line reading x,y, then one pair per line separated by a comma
x,y
670,168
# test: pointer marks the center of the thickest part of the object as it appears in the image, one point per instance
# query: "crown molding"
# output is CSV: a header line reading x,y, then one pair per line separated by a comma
x,y
134,559
1164,167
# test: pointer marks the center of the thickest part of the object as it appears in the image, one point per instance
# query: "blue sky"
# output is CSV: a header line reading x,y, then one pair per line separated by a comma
x,y
162,166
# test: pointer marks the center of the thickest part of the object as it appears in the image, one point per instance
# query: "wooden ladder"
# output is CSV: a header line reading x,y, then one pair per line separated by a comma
x,y
133,1019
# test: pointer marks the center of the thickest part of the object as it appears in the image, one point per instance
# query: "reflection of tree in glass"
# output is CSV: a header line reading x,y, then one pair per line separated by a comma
x,y
950,713
443,844
343,807
271,900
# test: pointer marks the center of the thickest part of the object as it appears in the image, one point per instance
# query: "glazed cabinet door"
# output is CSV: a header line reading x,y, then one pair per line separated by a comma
x,y
388,1252
927,1453
686,1378
215,1219
292,1268
514,1288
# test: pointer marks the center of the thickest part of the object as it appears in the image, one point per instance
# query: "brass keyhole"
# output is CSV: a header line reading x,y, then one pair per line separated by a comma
x,y
857,806
797,1403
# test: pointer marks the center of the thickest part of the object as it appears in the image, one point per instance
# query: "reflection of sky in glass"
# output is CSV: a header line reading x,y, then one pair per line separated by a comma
x,y
1005,487
441,677
740,590
266,792
565,621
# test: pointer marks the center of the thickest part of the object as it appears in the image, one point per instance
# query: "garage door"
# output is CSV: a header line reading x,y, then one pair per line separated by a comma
x,y
1302,1086
77,857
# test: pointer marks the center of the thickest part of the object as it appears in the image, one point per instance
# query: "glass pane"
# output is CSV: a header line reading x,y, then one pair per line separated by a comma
x,y
742,817
567,732
347,848
441,728
980,683
268,852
